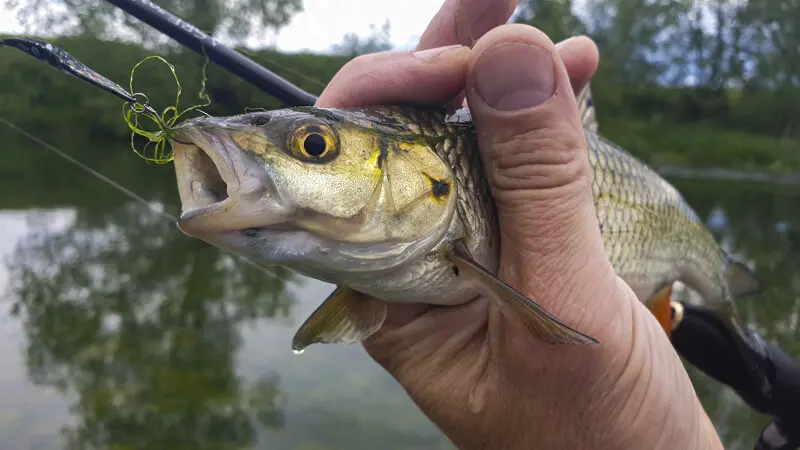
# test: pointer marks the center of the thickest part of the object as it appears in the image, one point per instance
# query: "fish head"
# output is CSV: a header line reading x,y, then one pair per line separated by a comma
x,y
320,191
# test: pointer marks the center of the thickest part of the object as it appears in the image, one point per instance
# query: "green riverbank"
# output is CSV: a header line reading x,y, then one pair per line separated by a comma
x,y
665,127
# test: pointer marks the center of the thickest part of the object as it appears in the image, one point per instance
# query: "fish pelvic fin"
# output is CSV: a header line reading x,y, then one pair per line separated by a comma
x,y
586,109
742,281
539,322
345,317
660,304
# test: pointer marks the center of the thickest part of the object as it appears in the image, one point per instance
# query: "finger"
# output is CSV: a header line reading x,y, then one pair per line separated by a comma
x,y
460,21
535,152
428,77
463,22
581,58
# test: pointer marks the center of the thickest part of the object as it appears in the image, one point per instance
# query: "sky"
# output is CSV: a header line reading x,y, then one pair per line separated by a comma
x,y
325,22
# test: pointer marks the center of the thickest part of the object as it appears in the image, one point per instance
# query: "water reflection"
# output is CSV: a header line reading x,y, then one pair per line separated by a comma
x,y
760,223
160,341
141,324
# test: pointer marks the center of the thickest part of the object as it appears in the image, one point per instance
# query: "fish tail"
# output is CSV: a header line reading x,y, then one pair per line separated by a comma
x,y
742,281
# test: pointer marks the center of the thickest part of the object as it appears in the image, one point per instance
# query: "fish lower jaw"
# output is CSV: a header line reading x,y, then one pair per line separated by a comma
x,y
224,219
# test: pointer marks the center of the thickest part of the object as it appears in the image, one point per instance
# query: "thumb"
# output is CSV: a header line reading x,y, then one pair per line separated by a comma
x,y
535,154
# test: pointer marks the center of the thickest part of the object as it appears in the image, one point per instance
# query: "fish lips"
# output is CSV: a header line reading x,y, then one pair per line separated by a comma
x,y
221,188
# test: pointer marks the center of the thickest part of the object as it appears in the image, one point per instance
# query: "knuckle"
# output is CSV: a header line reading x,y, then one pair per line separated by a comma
x,y
544,160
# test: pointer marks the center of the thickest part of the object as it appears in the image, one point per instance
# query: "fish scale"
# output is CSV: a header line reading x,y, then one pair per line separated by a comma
x,y
395,204
650,233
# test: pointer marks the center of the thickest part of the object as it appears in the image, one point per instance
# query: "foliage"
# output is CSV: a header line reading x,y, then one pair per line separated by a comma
x,y
700,145
711,45
234,19
147,344
555,18
352,45
693,126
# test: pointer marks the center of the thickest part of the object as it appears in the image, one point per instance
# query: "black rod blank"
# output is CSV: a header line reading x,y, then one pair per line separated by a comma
x,y
191,37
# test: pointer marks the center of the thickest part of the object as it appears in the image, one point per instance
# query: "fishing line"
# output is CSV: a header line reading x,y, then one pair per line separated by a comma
x,y
93,172
127,192
136,106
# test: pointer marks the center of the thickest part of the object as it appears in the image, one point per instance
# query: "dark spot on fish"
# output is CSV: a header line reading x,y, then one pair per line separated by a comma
x,y
455,270
251,232
439,188
383,153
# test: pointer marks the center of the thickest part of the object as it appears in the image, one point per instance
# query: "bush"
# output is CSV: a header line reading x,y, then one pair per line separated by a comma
x,y
661,125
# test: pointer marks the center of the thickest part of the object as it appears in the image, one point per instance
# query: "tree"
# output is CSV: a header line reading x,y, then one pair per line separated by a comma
x,y
352,45
777,61
553,17
637,38
230,19
143,330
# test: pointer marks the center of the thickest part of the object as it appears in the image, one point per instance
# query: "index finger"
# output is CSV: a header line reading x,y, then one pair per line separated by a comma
x,y
462,21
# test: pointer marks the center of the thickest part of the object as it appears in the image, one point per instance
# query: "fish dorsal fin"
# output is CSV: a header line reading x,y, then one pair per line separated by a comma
x,y
541,324
742,281
345,317
586,109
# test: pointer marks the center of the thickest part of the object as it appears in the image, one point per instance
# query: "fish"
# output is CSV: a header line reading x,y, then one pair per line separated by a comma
x,y
392,202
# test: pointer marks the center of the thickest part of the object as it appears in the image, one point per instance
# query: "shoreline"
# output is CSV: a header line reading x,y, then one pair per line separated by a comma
x,y
726,174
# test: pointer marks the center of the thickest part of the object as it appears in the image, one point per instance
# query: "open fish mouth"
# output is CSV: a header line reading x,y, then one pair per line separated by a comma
x,y
205,177
221,187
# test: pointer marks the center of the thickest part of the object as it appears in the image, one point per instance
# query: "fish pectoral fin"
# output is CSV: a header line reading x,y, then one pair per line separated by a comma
x,y
742,281
660,304
539,322
345,317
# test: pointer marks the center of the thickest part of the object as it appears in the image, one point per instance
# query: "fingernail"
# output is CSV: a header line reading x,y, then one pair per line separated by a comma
x,y
513,76
427,55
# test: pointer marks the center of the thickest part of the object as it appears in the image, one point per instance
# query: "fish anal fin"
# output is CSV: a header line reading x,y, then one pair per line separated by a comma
x,y
660,304
345,317
539,322
742,281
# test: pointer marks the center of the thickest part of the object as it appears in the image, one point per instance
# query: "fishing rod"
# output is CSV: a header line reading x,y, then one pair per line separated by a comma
x,y
191,37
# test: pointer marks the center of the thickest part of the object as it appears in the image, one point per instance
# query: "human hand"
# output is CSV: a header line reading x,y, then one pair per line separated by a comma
x,y
476,372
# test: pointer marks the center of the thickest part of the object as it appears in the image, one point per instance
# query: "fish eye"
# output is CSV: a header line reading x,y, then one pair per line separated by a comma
x,y
314,145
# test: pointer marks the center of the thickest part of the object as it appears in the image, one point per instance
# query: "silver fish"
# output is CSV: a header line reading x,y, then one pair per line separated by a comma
x,y
392,202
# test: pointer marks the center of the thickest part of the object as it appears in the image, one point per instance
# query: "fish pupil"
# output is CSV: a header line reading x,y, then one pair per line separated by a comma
x,y
314,145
